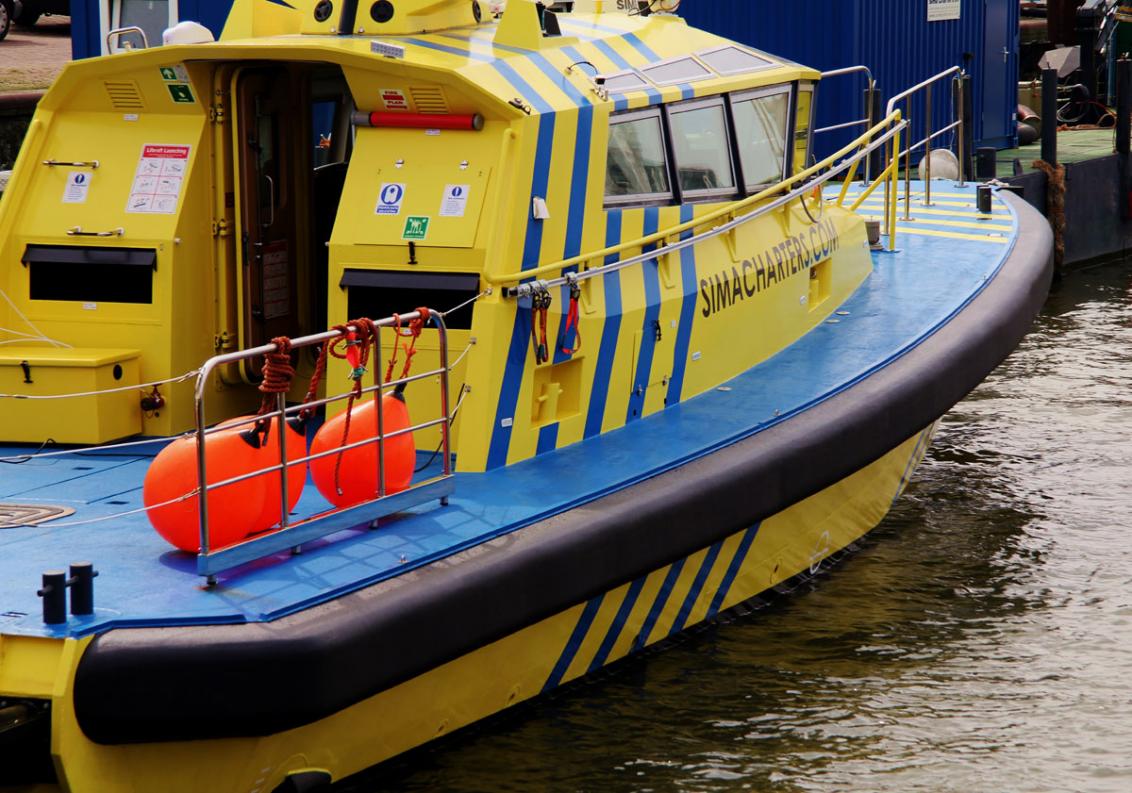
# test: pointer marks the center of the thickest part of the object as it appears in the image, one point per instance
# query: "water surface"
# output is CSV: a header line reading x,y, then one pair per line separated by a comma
x,y
981,640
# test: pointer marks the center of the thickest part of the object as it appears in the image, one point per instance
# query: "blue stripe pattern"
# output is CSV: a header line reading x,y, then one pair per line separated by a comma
x,y
687,312
733,570
697,587
521,330
636,407
609,332
576,639
432,45
658,604
619,621
605,49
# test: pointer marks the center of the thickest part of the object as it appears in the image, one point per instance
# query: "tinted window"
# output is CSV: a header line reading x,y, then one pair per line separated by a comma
x,y
760,129
637,164
732,60
629,81
703,150
684,70
152,16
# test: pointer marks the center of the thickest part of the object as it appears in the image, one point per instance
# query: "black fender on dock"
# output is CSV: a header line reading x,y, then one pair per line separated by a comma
x,y
200,682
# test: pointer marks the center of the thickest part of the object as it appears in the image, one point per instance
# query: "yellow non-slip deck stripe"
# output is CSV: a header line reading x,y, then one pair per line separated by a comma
x,y
959,224
878,206
907,228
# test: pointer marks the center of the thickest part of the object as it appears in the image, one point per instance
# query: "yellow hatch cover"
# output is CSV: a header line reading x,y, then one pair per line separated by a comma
x,y
78,357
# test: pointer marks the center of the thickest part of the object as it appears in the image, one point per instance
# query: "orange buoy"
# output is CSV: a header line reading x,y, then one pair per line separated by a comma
x,y
232,509
266,456
357,475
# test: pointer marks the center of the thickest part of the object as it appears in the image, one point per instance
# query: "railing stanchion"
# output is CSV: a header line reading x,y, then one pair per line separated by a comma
x,y
379,398
202,467
281,428
957,100
928,146
908,171
894,186
446,427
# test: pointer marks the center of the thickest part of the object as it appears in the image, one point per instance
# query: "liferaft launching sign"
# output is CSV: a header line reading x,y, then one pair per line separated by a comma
x,y
943,10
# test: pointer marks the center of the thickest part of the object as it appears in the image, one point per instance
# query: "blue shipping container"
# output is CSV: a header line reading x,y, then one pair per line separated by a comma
x,y
91,20
896,41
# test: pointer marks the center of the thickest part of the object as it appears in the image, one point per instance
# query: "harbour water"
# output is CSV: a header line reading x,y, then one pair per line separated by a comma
x,y
980,640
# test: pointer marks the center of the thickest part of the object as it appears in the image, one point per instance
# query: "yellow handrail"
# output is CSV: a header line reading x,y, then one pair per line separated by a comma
x,y
729,209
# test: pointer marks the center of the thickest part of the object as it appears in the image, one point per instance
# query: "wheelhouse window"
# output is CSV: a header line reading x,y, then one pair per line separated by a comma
x,y
733,60
678,70
152,16
803,124
702,148
762,122
637,168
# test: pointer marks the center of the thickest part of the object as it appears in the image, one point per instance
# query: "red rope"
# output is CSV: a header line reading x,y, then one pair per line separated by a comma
x,y
572,317
278,373
357,344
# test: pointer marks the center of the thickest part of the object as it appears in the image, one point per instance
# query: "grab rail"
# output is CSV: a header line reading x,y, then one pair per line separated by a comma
x,y
870,105
893,123
291,536
957,75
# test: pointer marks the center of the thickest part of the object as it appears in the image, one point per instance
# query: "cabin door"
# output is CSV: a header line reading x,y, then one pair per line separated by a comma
x,y
273,181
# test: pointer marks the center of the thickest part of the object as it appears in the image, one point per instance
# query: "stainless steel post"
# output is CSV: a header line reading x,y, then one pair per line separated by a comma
x,y
928,147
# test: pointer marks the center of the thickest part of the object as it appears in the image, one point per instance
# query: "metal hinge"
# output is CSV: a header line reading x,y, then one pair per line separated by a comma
x,y
221,228
217,114
223,340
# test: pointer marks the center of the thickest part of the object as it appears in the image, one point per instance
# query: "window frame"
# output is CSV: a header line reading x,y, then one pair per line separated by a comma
x,y
116,19
644,199
810,86
709,72
736,97
644,84
683,196
768,63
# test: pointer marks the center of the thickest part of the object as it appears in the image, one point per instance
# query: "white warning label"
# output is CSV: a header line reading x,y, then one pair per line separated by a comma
x,y
455,202
78,186
390,198
158,179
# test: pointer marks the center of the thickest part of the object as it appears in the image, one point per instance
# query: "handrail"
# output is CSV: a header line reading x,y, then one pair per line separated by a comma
x,y
872,87
727,209
540,285
891,106
270,543
956,74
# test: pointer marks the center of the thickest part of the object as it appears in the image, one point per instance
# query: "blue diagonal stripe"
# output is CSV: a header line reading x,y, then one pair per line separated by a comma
x,y
433,45
697,587
575,641
658,604
733,569
609,332
636,408
687,313
521,329
619,621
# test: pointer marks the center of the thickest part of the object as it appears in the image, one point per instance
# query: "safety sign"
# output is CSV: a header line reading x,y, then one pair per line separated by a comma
x,y
390,198
416,228
394,99
78,186
158,179
455,202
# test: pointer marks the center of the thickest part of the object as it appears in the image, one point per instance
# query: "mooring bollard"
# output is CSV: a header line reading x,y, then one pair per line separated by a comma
x,y
1049,116
54,594
81,583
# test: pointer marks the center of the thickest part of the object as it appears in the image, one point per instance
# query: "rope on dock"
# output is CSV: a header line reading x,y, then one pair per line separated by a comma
x,y
1055,206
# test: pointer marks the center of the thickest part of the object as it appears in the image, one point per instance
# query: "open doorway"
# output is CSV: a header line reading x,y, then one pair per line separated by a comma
x,y
293,143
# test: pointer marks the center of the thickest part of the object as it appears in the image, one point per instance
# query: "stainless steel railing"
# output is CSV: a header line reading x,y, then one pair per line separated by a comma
x,y
292,535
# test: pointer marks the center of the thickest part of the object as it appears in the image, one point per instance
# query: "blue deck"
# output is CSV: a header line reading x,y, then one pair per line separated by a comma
x,y
946,256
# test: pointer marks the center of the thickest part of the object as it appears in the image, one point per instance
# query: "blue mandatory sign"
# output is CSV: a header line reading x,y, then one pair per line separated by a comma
x,y
389,199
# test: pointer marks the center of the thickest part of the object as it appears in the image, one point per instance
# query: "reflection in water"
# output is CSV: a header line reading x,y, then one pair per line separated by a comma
x,y
981,640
